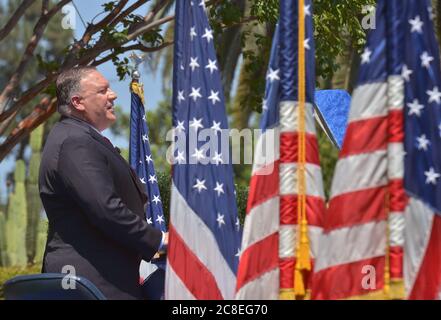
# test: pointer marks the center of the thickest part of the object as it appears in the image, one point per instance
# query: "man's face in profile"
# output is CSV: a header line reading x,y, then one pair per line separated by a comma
x,y
96,100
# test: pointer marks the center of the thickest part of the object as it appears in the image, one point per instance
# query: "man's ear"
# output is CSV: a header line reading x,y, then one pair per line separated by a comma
x,y
76,103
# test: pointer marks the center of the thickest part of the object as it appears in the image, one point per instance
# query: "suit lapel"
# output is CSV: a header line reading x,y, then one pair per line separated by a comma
x,y
102,140
133,175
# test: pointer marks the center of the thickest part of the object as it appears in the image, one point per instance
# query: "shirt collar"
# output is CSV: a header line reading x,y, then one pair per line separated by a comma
x,y
88,124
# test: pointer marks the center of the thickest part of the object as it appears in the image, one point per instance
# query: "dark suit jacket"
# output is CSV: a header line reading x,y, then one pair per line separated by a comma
x,y
95,206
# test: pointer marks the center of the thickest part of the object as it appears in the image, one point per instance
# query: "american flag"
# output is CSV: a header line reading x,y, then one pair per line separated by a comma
x,y
140,158
270,243
372,228
205,233
422,144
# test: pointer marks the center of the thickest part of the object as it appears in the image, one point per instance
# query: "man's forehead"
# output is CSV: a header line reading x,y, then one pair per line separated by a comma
x,y
95,78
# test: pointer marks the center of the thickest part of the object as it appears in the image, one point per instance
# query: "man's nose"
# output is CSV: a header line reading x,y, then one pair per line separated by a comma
x,y
112,95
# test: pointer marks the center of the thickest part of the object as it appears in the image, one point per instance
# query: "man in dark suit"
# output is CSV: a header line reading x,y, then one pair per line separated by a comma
x,y
93,199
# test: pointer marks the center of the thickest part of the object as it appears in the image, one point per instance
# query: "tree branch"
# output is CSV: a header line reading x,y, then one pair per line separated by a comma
x,y
15,18
149,17
110,17
148,25
131,47
29,51
57,7
142,29
40,114
126,12
94,28
30,94
243,21
89,32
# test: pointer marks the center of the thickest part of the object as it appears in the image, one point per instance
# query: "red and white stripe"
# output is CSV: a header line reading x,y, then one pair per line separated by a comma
x,y
269,241
258,271
196,269
395,157
355,224
422,252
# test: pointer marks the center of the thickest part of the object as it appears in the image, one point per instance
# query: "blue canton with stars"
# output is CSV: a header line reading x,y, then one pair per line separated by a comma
x,y
142,162
203,178
421,72
403,43
282,77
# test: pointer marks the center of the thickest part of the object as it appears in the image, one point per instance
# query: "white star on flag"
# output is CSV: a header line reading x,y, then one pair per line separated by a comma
x,y
217,158
237,224
180,157
211,65
423,143
156,199
200,185
415,107
434,95
208,35
148,158
214,97
431,176
181,96
195,93
149,220
219,188
216,126
160,219
306,10
273,75
145,138
142,180
152,179
220,220
194,63
193,33
180,127
417,24
406,72
238,253
366,56
306,44
426,59
196,123
202,4
198,154
264,105
143,118
431,13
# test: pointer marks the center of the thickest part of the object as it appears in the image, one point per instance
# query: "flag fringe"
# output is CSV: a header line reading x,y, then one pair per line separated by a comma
x,y
137,88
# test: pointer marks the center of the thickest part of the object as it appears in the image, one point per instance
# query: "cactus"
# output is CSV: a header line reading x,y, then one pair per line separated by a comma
x,y
33,197
41,240
16,220
3,261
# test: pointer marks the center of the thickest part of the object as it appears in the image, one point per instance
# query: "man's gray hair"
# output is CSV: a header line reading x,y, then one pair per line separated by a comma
x,y
68,84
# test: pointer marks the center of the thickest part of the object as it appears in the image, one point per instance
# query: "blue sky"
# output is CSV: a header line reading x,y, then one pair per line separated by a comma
x,y
152,84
